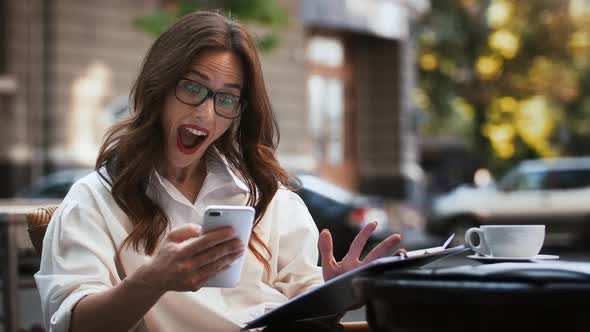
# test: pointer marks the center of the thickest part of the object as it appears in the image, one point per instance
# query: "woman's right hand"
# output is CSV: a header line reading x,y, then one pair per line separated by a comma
x,y
186,259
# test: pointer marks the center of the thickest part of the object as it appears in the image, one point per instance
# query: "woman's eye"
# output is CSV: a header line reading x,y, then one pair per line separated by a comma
x,y
228,101
193,89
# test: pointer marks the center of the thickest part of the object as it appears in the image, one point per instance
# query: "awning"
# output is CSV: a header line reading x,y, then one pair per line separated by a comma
x,y
388,19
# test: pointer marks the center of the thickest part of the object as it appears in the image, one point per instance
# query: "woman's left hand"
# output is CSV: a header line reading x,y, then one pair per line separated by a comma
x,y
331,268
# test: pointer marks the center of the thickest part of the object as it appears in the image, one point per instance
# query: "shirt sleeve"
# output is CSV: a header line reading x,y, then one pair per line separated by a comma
x,y
297,269
78,259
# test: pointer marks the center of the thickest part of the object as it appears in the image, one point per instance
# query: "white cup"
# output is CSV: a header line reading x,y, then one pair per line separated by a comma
x,y
514,241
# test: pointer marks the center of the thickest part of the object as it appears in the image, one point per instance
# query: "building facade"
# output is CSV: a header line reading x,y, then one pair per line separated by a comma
x,y
341,84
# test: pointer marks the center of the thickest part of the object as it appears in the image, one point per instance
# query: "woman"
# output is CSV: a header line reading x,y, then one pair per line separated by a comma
x,y
124,250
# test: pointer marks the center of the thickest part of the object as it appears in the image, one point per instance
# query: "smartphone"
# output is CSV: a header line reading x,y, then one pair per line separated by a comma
x,y
239,218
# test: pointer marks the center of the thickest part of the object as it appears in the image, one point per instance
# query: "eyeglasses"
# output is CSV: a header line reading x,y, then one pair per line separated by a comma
x,y
225,105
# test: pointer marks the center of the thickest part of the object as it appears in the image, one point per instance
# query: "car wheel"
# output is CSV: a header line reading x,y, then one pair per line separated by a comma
x,y
459,227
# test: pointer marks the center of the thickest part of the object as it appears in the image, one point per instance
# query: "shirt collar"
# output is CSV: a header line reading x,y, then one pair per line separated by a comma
x,y
217,164
219,175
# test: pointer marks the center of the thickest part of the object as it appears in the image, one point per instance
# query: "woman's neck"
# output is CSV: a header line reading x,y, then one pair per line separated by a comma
x,y
188,181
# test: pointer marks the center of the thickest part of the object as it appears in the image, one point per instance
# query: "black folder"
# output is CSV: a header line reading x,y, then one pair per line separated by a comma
x,y
337,295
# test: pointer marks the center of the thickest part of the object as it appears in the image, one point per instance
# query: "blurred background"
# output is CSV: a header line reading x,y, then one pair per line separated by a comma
x,y
428,116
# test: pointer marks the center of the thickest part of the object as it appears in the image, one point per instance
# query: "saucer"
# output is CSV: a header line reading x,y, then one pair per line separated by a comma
x,y
488,259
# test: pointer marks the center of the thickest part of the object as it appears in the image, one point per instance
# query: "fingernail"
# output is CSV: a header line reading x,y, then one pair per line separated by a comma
x,y
325,230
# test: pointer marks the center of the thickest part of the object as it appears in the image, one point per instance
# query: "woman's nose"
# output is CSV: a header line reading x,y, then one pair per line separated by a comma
x,y
207,108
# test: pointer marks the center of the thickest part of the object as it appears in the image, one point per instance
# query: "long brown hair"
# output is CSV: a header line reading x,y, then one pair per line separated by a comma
x,y
133,147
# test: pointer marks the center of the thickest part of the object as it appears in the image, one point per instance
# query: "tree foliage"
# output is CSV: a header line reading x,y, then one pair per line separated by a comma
x,y
510,76
262,12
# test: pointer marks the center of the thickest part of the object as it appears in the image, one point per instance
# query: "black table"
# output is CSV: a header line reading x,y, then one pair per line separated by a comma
x,y
452,300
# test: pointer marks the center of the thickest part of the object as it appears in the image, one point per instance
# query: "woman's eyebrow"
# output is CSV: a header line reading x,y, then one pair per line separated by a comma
x,y
205,77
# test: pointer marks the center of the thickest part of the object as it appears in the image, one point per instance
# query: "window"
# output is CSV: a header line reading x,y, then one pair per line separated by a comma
x,y
326,98
58,190
523,181
567,179
320,205
326,118
326,51
331,106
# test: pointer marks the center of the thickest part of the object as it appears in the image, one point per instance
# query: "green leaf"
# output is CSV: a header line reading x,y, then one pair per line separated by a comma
x,y
264,12
154,24
268,42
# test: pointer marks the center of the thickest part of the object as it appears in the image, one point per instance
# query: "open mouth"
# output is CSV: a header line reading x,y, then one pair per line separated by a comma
x,y
189,138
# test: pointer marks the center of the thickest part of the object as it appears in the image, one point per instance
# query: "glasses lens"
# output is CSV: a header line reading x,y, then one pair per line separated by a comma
x,y
228,105
190,92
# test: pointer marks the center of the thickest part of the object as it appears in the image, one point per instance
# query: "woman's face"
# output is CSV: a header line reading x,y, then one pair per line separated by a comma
x,y
190,130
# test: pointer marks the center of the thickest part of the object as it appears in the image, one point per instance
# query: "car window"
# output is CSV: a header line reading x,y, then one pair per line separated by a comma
x,y
524,181
328,189
53,185
320,205
58,190
507,181
567,179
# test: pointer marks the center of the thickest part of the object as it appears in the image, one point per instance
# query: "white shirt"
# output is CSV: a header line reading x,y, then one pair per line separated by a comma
x,y
79,252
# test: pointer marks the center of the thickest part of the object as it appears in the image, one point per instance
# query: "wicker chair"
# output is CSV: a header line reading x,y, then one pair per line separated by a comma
x,y
38,221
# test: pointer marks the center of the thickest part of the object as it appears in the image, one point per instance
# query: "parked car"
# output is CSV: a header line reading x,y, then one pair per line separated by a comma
x,y
54,185
343,212
554,192
331,206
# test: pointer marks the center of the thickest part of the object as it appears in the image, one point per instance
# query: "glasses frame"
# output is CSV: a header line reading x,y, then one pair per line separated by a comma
x,y
242,103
